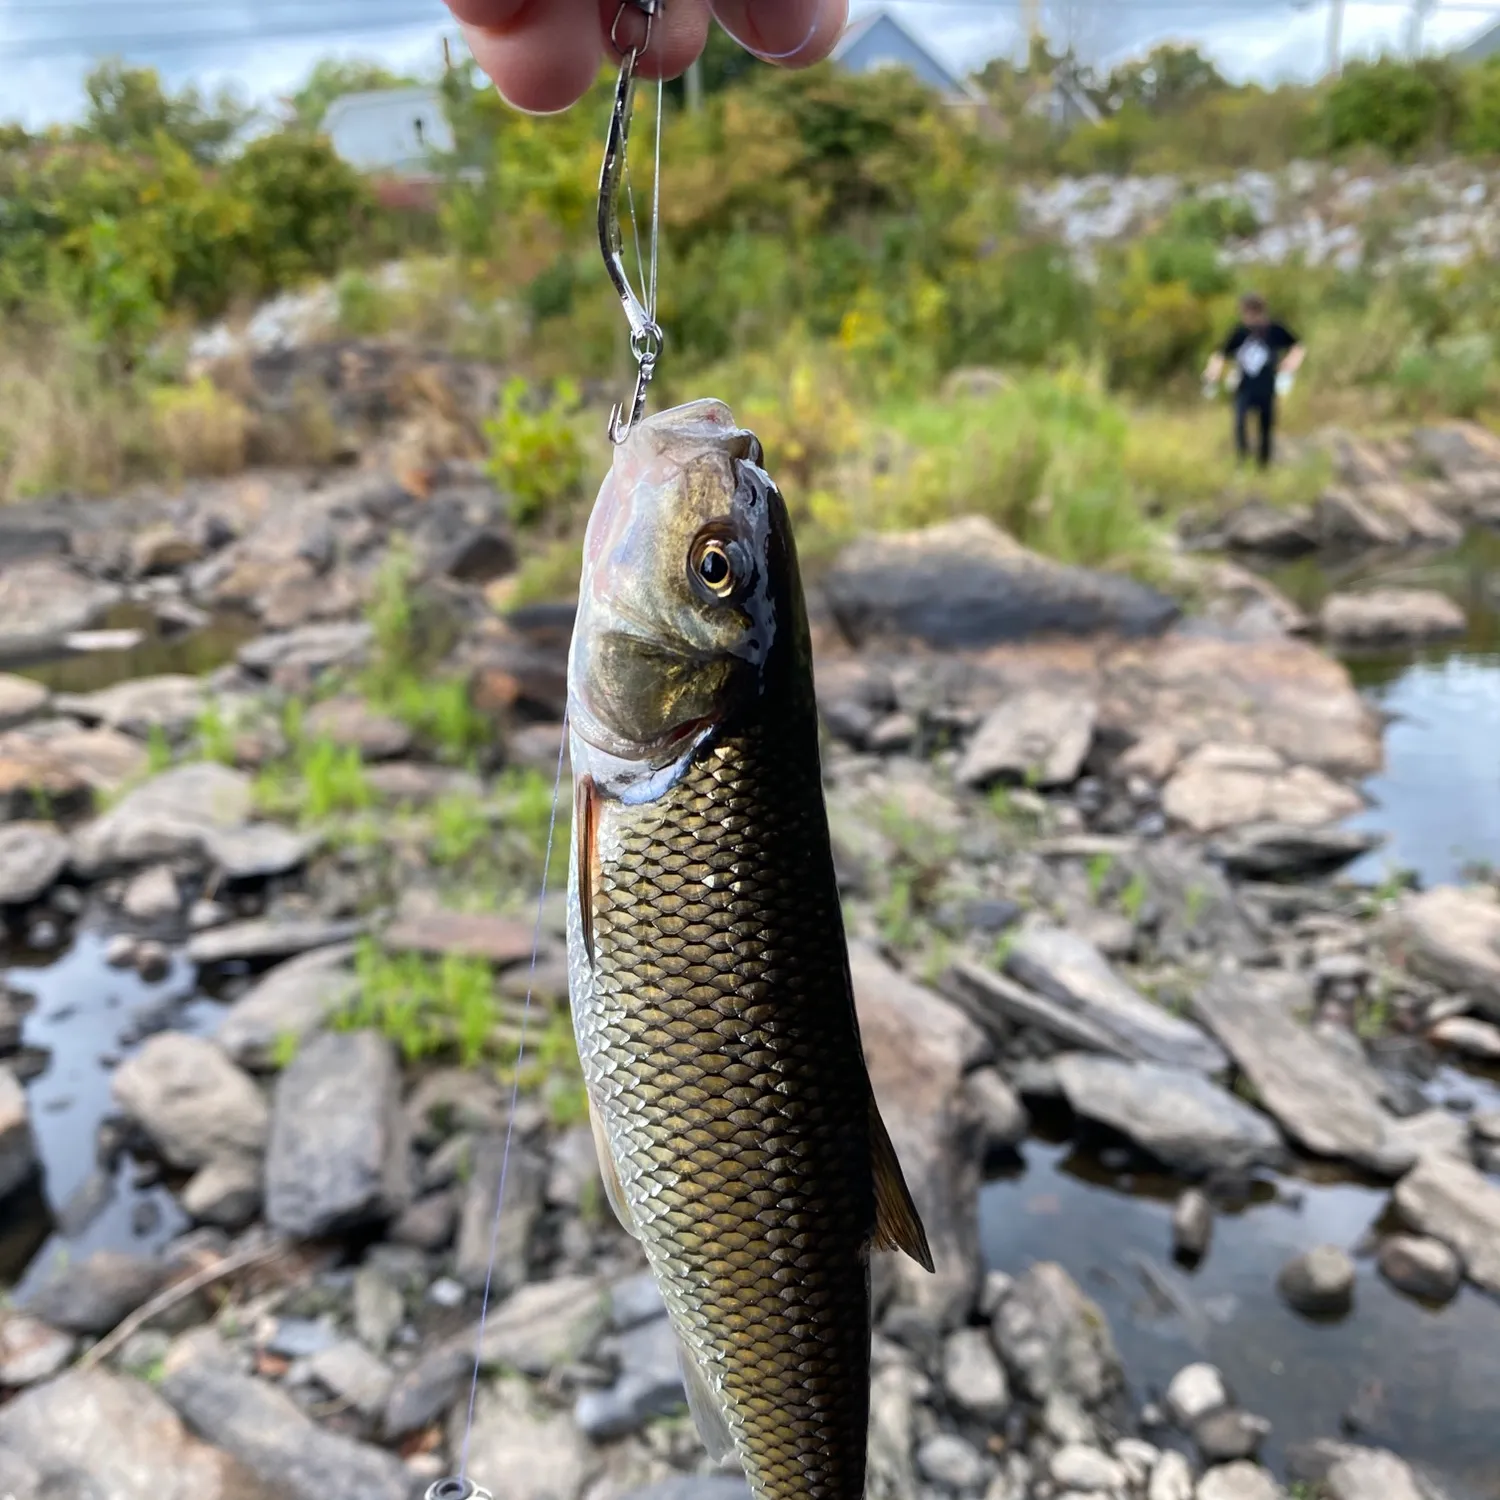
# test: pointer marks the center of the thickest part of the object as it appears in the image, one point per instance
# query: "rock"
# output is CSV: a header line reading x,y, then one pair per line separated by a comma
x,y
338,1153
21,699
31,1351
379,1308
1319,1283
1075,1466
694,1487
1433,1132
1451,935
481,556
966,584
1239,1481
292,1001
1226,786
1477,1039
1422,1268
411,782
649,1384
1345,523
1269,530
1284,851
1323,1099
1457,448
483,1254
94,1295
173,815
946,1459
1171,1478
98,1436
1373,1474
351,723
974,1378
1055,1340
32,856
1192,1225
1038,737
996,1003
1384,617
499,940
1449,1200
539,1451
1067,969
1184,1120
152,896
163,549
918,1048
190,1101
353,1374
262,939
171,704
1002,1116
43,600
152,961
449,1101
1194,1392
266,1431
894,1389
228,1192
307,652
257,851
18,1153
1224,1436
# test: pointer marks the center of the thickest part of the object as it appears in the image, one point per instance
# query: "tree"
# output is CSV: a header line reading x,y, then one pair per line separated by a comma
x,y
1166,79
128,108
332,78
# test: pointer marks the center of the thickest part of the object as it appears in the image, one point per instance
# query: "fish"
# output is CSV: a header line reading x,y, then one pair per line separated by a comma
x,y
738,1135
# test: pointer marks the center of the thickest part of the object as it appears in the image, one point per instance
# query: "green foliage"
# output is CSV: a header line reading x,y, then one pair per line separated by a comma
x,y
537,456
129,109
1167,78
425,1006
1400,107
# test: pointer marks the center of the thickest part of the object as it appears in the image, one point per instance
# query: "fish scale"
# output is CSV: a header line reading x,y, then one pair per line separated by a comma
x,y
717,1019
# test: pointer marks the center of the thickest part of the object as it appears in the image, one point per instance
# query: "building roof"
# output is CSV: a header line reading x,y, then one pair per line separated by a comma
x,y
870,27
1485,44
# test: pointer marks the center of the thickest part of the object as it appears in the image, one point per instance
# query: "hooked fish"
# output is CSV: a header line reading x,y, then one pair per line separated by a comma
x,y
738,1134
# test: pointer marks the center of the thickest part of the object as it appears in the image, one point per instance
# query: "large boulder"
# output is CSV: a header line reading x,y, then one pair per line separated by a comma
x,y
1451,935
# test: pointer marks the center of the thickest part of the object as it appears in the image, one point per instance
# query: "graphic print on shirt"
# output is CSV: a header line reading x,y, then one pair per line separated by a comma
x,y
1253,356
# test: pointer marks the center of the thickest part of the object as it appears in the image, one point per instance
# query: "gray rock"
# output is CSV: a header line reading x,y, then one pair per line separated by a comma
x,y
338,1157
152,896
649,1384
32,856
293,1000
42,600
1067,969
1451,935
351,723
694,1487
1423,1268
257,851
353,1374
1239,1481
1075,1466
379,1308
97,1436
1192,1225
1184,1120
1224,1436
1194,1392
965,584
18,1157
1476,1039
1319,1282
95,1295
1171,1478
635,1299
312,649
174,815
260,940
1269,530
997,1004
1321,1098
538,1450
1384,617
946,1459
482,1252
172,704
1373,1474
449,1101
974,1378
573,1168
1055,1339
31,1351
1281,851
21,699
300,1338
429,1223
192,1103
893,1393
19,1480
1040,737
1449,1200
1002,1116
267,1432
1225,786
226,1192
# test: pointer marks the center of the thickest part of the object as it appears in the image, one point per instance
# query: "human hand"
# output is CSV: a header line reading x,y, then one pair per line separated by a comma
x,y
1285,379
544,54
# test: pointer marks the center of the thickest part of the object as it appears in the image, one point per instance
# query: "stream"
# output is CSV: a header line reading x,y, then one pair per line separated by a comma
x,y
1392,1367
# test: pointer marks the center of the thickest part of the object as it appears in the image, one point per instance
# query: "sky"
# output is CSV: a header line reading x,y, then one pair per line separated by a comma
x,y
265,46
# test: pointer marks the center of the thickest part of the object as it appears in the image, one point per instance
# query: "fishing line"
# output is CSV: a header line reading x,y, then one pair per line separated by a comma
x,y
463,1491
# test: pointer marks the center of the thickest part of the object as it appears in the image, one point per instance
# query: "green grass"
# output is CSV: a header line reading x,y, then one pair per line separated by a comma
x,y
460,825
213,736
1133,897
1100,868
158,750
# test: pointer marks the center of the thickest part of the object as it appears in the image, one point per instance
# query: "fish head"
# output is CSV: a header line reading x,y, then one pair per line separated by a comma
x,y
689,581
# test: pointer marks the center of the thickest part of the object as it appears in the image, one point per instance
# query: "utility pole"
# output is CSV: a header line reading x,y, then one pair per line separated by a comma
x,y
1335,38
1420,10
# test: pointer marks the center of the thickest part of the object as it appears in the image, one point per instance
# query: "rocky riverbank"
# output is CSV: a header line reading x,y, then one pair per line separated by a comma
x,y
1089,845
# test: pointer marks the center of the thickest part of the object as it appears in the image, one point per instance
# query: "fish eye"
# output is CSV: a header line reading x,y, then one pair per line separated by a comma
x,y
715,565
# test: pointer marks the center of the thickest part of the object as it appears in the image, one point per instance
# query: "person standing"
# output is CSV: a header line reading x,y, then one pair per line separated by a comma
x,y
1266,354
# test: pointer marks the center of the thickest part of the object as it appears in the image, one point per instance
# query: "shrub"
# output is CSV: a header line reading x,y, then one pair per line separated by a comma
x,y
200,429
1401,107
537,455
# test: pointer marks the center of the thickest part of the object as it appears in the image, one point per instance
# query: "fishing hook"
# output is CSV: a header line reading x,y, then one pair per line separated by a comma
x,y
646,338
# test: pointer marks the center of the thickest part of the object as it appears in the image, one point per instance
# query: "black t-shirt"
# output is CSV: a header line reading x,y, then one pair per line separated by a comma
x,y
1257,352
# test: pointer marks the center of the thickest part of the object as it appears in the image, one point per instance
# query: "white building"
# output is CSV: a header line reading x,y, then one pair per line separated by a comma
x,y
389,130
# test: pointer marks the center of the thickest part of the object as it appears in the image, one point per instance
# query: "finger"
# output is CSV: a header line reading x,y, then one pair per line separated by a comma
x,y
678,34
542,54
793,33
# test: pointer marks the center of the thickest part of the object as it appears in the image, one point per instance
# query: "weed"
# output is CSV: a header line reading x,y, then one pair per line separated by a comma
x,y
333,781
213,736
1005,945
158,750
537,455
1133,897
1100,867
460,824
284,1049
200,429
439,710
1375,1015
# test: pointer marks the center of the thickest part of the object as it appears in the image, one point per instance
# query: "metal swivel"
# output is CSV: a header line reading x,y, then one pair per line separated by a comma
x,y
457,1489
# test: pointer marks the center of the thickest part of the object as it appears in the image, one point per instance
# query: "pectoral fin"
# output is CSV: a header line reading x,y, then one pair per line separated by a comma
x,y
897,1225
706,1408
610,1175
586,834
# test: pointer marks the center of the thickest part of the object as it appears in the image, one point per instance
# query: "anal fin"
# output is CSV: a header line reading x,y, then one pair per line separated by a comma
x,y
897,1223
610,1175
706,1409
